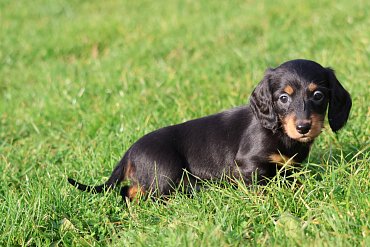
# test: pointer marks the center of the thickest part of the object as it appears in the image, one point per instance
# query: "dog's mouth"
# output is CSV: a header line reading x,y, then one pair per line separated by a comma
x,y
305,138
309,137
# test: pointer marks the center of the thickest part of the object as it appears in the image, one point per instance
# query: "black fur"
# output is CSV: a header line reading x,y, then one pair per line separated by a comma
x,y
243,142
340,103
262,104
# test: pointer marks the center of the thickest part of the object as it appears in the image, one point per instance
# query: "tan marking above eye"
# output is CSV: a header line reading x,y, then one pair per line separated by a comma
x,y
289,90
312,86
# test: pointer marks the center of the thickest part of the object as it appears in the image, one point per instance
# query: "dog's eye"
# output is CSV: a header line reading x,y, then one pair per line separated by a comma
x,y
284,98
318,95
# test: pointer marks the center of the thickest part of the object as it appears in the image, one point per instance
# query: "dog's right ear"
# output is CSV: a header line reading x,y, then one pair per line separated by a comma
x,y
262,104
340,103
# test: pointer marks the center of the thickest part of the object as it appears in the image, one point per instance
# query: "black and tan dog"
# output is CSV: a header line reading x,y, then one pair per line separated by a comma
x,y
286,113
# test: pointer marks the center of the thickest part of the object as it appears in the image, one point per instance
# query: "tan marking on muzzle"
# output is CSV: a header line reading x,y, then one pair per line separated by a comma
x,y
289,126
317,123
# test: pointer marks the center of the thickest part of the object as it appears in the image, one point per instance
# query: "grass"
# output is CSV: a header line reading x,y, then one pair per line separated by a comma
x,y
80,81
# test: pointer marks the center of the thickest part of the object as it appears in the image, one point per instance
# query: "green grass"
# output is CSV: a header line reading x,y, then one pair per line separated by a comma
x,y
80,81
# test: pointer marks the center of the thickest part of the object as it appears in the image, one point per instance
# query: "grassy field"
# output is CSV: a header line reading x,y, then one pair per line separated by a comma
x,y
80,81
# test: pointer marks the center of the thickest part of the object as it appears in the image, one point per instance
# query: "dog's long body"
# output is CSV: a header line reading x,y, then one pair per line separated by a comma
x,y
285,115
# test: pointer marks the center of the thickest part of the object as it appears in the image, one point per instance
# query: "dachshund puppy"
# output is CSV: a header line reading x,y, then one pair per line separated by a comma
x,y
285,115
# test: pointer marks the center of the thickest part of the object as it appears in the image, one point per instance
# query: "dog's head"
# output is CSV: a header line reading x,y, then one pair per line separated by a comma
x,y
295,96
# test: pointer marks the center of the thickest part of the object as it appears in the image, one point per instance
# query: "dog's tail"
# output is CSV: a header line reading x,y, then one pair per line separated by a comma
x,y
116,177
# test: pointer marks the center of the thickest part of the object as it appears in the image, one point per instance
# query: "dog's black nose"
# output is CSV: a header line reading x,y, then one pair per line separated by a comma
x,y
303,127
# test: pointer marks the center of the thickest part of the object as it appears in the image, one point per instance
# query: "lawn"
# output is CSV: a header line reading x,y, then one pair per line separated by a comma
x,y
80,81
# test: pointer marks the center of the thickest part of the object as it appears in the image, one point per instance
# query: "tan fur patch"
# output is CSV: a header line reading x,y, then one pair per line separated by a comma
x,y
134,191
281,159
317,123
312,86
129,170
289,125
289,90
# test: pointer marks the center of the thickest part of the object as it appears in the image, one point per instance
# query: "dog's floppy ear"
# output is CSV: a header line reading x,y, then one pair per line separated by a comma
x,y
340,103
262,104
